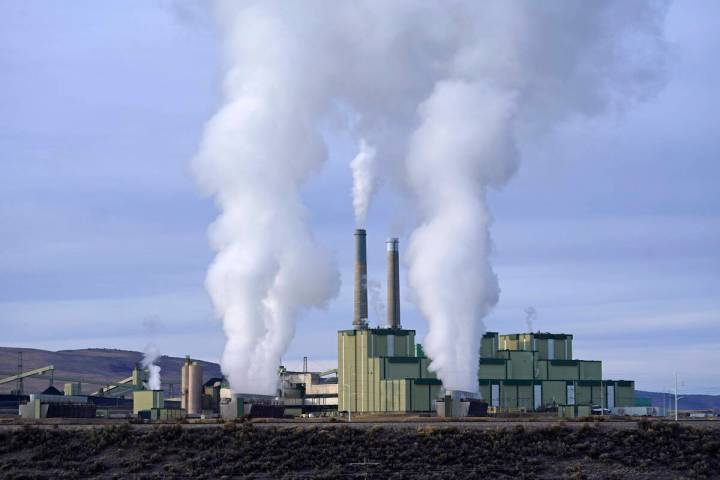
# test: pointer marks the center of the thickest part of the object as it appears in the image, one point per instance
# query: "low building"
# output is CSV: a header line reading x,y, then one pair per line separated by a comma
x,y
56,406
309,392
147,400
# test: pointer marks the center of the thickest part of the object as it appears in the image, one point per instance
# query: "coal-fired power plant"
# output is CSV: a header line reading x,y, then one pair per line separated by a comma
x,y
380,370
393,283
360,313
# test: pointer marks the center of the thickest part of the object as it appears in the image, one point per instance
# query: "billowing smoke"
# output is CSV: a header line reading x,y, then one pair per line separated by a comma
x,y
256,153
151,354
521,69
364,181
441,97
530,316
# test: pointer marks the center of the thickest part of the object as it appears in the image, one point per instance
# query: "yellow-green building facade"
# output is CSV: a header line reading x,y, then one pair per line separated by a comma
x,y
533,371
383,370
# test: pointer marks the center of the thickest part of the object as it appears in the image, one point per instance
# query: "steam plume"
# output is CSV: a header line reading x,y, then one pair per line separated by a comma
x,y
363,172
255,154
148,361
446,94
530,315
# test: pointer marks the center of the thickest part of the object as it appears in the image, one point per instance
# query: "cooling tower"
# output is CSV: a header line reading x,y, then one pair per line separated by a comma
x,y
393,283
194,398
360,314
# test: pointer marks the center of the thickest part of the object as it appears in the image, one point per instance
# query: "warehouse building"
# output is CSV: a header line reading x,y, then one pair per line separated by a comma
x,y
536,371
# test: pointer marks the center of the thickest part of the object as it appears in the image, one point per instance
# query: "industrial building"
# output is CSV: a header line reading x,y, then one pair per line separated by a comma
x,y
536,371
382,369
308,392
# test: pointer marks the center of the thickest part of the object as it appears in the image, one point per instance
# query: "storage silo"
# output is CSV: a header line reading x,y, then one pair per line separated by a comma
x,y
184,382
194,397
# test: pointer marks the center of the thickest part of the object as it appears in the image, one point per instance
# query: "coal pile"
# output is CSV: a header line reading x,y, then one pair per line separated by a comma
x,y
655,450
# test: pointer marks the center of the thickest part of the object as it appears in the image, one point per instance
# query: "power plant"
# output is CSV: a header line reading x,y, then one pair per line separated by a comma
x,y
380,371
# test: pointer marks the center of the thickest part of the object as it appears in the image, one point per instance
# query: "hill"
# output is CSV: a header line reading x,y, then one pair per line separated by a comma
x,y
686,402
94,364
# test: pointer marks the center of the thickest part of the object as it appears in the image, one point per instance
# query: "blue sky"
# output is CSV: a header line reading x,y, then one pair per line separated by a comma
x,y
610,230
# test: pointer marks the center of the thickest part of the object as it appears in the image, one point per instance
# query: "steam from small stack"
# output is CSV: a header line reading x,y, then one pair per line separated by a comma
x,y
393,283
148,361
360,312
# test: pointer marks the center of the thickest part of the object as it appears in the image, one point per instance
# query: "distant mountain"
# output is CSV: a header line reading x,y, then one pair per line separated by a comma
x,y
94,364
686,401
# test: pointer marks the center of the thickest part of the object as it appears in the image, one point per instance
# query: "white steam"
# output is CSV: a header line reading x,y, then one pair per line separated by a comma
x,y
530,316
151,354
364,178
256,152
446,94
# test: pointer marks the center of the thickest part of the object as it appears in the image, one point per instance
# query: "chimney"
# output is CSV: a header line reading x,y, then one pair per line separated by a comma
x,y
393,283
360,315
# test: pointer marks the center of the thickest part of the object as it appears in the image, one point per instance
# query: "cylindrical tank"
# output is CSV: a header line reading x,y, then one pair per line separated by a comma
x,y
184,382
360,313
393,283
194,399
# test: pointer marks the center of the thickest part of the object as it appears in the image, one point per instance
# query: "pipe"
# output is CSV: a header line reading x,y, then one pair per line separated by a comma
x,y
393,283
360,313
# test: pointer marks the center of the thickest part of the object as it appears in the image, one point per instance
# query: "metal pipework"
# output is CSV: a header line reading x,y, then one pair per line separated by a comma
x,y
360,312
393,283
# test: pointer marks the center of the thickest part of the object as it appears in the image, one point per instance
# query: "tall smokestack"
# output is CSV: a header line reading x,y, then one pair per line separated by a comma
x,y
360,315
393,283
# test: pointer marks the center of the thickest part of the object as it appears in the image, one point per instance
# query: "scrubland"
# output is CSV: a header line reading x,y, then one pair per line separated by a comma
x,y
656,450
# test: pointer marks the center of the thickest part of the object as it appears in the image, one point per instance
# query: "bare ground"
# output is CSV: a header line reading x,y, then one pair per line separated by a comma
x,y
645,450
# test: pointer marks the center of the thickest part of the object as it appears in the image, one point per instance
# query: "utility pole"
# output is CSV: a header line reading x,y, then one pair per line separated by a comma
x,y
19,382
350,403
676,398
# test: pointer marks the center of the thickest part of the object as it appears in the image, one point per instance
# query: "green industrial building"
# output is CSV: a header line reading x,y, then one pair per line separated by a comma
x,y
382,370
534,371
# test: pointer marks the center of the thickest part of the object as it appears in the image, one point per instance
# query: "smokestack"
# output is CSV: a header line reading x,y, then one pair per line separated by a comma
x,y
393,283
360,315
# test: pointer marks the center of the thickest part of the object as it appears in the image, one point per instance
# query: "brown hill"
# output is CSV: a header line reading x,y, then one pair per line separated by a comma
x,y
94,364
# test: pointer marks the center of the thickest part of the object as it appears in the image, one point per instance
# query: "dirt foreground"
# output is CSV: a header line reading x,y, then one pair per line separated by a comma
x,y
657,450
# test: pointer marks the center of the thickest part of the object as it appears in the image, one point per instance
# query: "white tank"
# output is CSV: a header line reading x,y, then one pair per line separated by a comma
x,y
194,397
184,383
